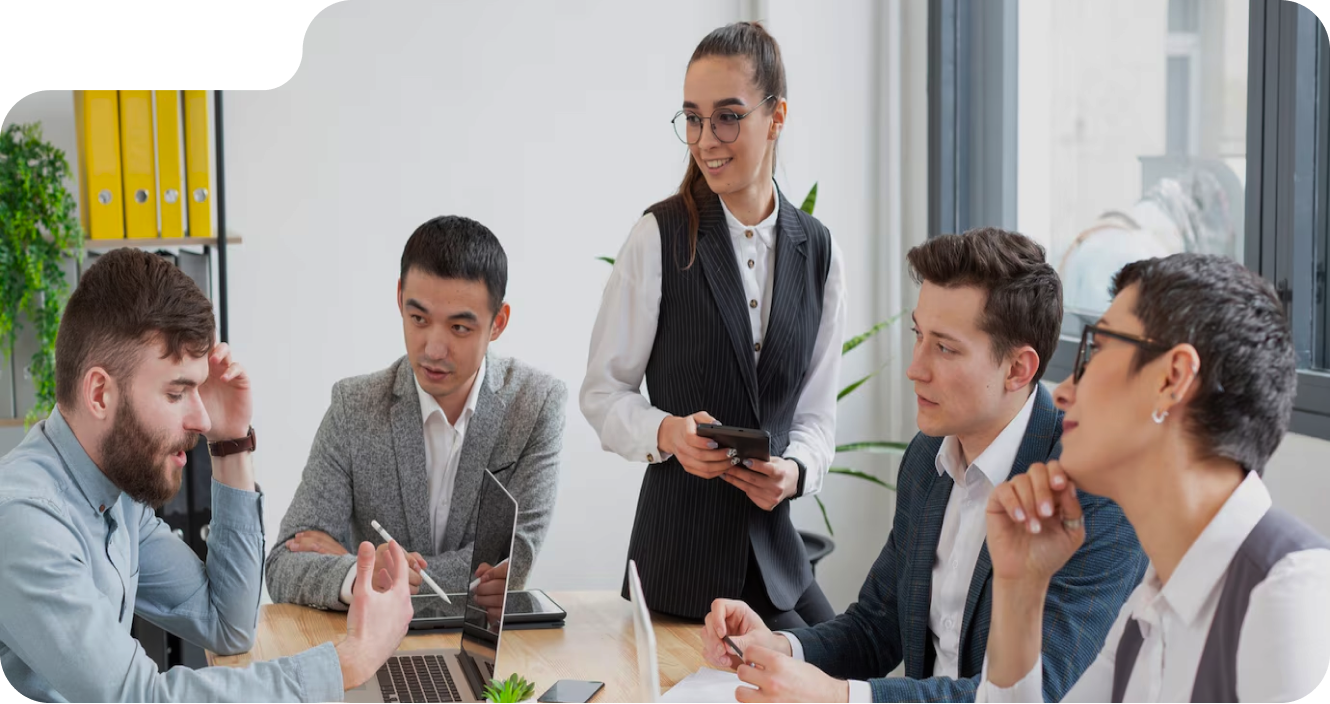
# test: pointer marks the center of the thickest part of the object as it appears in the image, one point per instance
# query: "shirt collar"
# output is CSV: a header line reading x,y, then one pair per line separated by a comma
x,y
100,492
429,406
997,459
1206,561
765,230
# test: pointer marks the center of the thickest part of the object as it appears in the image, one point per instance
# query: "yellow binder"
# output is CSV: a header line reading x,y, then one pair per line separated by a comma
x,y
101,205
196,163
169,184
136,157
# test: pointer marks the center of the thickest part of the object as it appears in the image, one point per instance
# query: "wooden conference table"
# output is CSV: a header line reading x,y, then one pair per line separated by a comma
x,y
596,644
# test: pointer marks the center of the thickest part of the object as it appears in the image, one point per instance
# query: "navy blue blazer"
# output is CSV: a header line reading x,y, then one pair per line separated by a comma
x,y
889,622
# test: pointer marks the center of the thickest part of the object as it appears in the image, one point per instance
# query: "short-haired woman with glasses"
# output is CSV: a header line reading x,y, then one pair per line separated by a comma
x,y
730,302
1179,396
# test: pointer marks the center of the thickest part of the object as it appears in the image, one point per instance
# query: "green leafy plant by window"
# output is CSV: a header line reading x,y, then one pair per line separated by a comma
x,y
38,232
869,446
513,689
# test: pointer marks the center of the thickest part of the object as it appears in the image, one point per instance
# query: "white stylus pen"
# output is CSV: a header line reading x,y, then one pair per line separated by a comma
x,y
476,582
423,574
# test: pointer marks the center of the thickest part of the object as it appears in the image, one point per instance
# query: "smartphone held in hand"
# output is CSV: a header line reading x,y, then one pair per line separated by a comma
x,y
750,444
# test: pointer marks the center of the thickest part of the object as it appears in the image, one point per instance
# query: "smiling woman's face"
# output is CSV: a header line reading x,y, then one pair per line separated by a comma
x,y
726,82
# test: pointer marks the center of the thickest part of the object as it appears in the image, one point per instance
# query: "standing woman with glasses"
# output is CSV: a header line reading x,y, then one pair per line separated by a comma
x,y
731,302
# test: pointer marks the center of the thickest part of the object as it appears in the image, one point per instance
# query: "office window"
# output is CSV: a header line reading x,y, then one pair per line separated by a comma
x,y
1111,132
1131,134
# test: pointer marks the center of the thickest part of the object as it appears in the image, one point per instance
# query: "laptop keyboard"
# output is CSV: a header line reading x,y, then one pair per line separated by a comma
x,y
418,678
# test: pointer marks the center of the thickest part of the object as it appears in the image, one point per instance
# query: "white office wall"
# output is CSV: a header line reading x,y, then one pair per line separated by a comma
x,y
1298,476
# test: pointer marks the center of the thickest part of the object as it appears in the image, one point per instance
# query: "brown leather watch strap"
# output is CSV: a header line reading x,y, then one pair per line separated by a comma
x,y
222,448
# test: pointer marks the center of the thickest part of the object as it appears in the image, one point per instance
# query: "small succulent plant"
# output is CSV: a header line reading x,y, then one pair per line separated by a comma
x,y
513,689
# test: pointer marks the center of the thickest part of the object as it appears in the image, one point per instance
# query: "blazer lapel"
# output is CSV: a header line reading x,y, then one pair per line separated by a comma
x,y
409,452
1041,434
481,432
789,285
921,567
716,255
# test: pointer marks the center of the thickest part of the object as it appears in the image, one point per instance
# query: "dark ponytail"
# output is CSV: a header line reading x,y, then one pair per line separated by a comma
x,y
751,41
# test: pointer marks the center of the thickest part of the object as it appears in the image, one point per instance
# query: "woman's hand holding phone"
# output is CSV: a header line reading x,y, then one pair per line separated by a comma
x,y
699,456
766,483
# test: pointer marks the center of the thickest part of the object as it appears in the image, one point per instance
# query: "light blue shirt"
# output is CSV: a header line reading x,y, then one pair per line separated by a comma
x,y
78,558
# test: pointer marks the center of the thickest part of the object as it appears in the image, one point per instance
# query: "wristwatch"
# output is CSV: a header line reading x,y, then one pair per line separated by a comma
x,y
222,448
803,475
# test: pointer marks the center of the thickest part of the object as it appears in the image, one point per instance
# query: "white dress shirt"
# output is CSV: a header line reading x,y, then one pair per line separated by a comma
x,y
964,528
443,450
621,341
1285,642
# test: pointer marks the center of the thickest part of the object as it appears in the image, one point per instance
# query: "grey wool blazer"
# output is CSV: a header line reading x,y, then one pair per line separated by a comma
x,y
368,463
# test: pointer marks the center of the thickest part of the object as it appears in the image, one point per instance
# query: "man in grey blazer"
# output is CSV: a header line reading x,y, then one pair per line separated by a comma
x,y
406,445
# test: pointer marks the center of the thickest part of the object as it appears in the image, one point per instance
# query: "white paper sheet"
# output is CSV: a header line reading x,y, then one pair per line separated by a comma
x,y
705,685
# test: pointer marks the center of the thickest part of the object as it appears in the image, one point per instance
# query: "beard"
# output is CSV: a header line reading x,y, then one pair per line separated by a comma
x,y
137,460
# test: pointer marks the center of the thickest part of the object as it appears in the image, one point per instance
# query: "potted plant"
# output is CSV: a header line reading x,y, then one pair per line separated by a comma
x,y
819,546
38,232
513,689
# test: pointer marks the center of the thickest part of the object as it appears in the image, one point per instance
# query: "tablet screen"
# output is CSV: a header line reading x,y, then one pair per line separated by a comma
x,y
530,603
534,605
430,606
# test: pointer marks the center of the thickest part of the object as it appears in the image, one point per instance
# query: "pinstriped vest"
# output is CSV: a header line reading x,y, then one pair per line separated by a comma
x,y
692,536
1276,535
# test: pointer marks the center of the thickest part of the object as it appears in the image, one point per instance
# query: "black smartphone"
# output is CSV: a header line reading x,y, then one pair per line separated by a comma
x,y
571,691
750,443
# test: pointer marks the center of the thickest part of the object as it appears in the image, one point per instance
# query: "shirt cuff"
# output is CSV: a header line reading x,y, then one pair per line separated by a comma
x,y
646,435
860,691
813,474
236,509
796,648
350,579
1029,688
319,672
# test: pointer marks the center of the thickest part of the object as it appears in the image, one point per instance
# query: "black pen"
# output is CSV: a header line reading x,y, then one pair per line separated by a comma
x,y
733,647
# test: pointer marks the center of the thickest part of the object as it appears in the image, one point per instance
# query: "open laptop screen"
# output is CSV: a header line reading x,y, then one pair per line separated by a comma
x,y
648,670
494,526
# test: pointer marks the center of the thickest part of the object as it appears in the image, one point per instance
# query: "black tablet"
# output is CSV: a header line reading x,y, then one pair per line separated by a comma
x,y
531,608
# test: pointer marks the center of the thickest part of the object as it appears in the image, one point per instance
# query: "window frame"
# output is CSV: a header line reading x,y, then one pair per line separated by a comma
x,y
972,160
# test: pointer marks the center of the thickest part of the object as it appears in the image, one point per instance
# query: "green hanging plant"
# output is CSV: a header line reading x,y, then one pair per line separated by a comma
x,y
513,689
871,446
38,232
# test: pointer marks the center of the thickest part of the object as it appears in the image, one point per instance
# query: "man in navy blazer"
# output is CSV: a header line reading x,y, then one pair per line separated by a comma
x,y
987,322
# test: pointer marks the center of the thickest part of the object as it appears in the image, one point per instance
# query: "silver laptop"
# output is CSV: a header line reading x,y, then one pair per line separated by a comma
x,y
456,675
648,668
